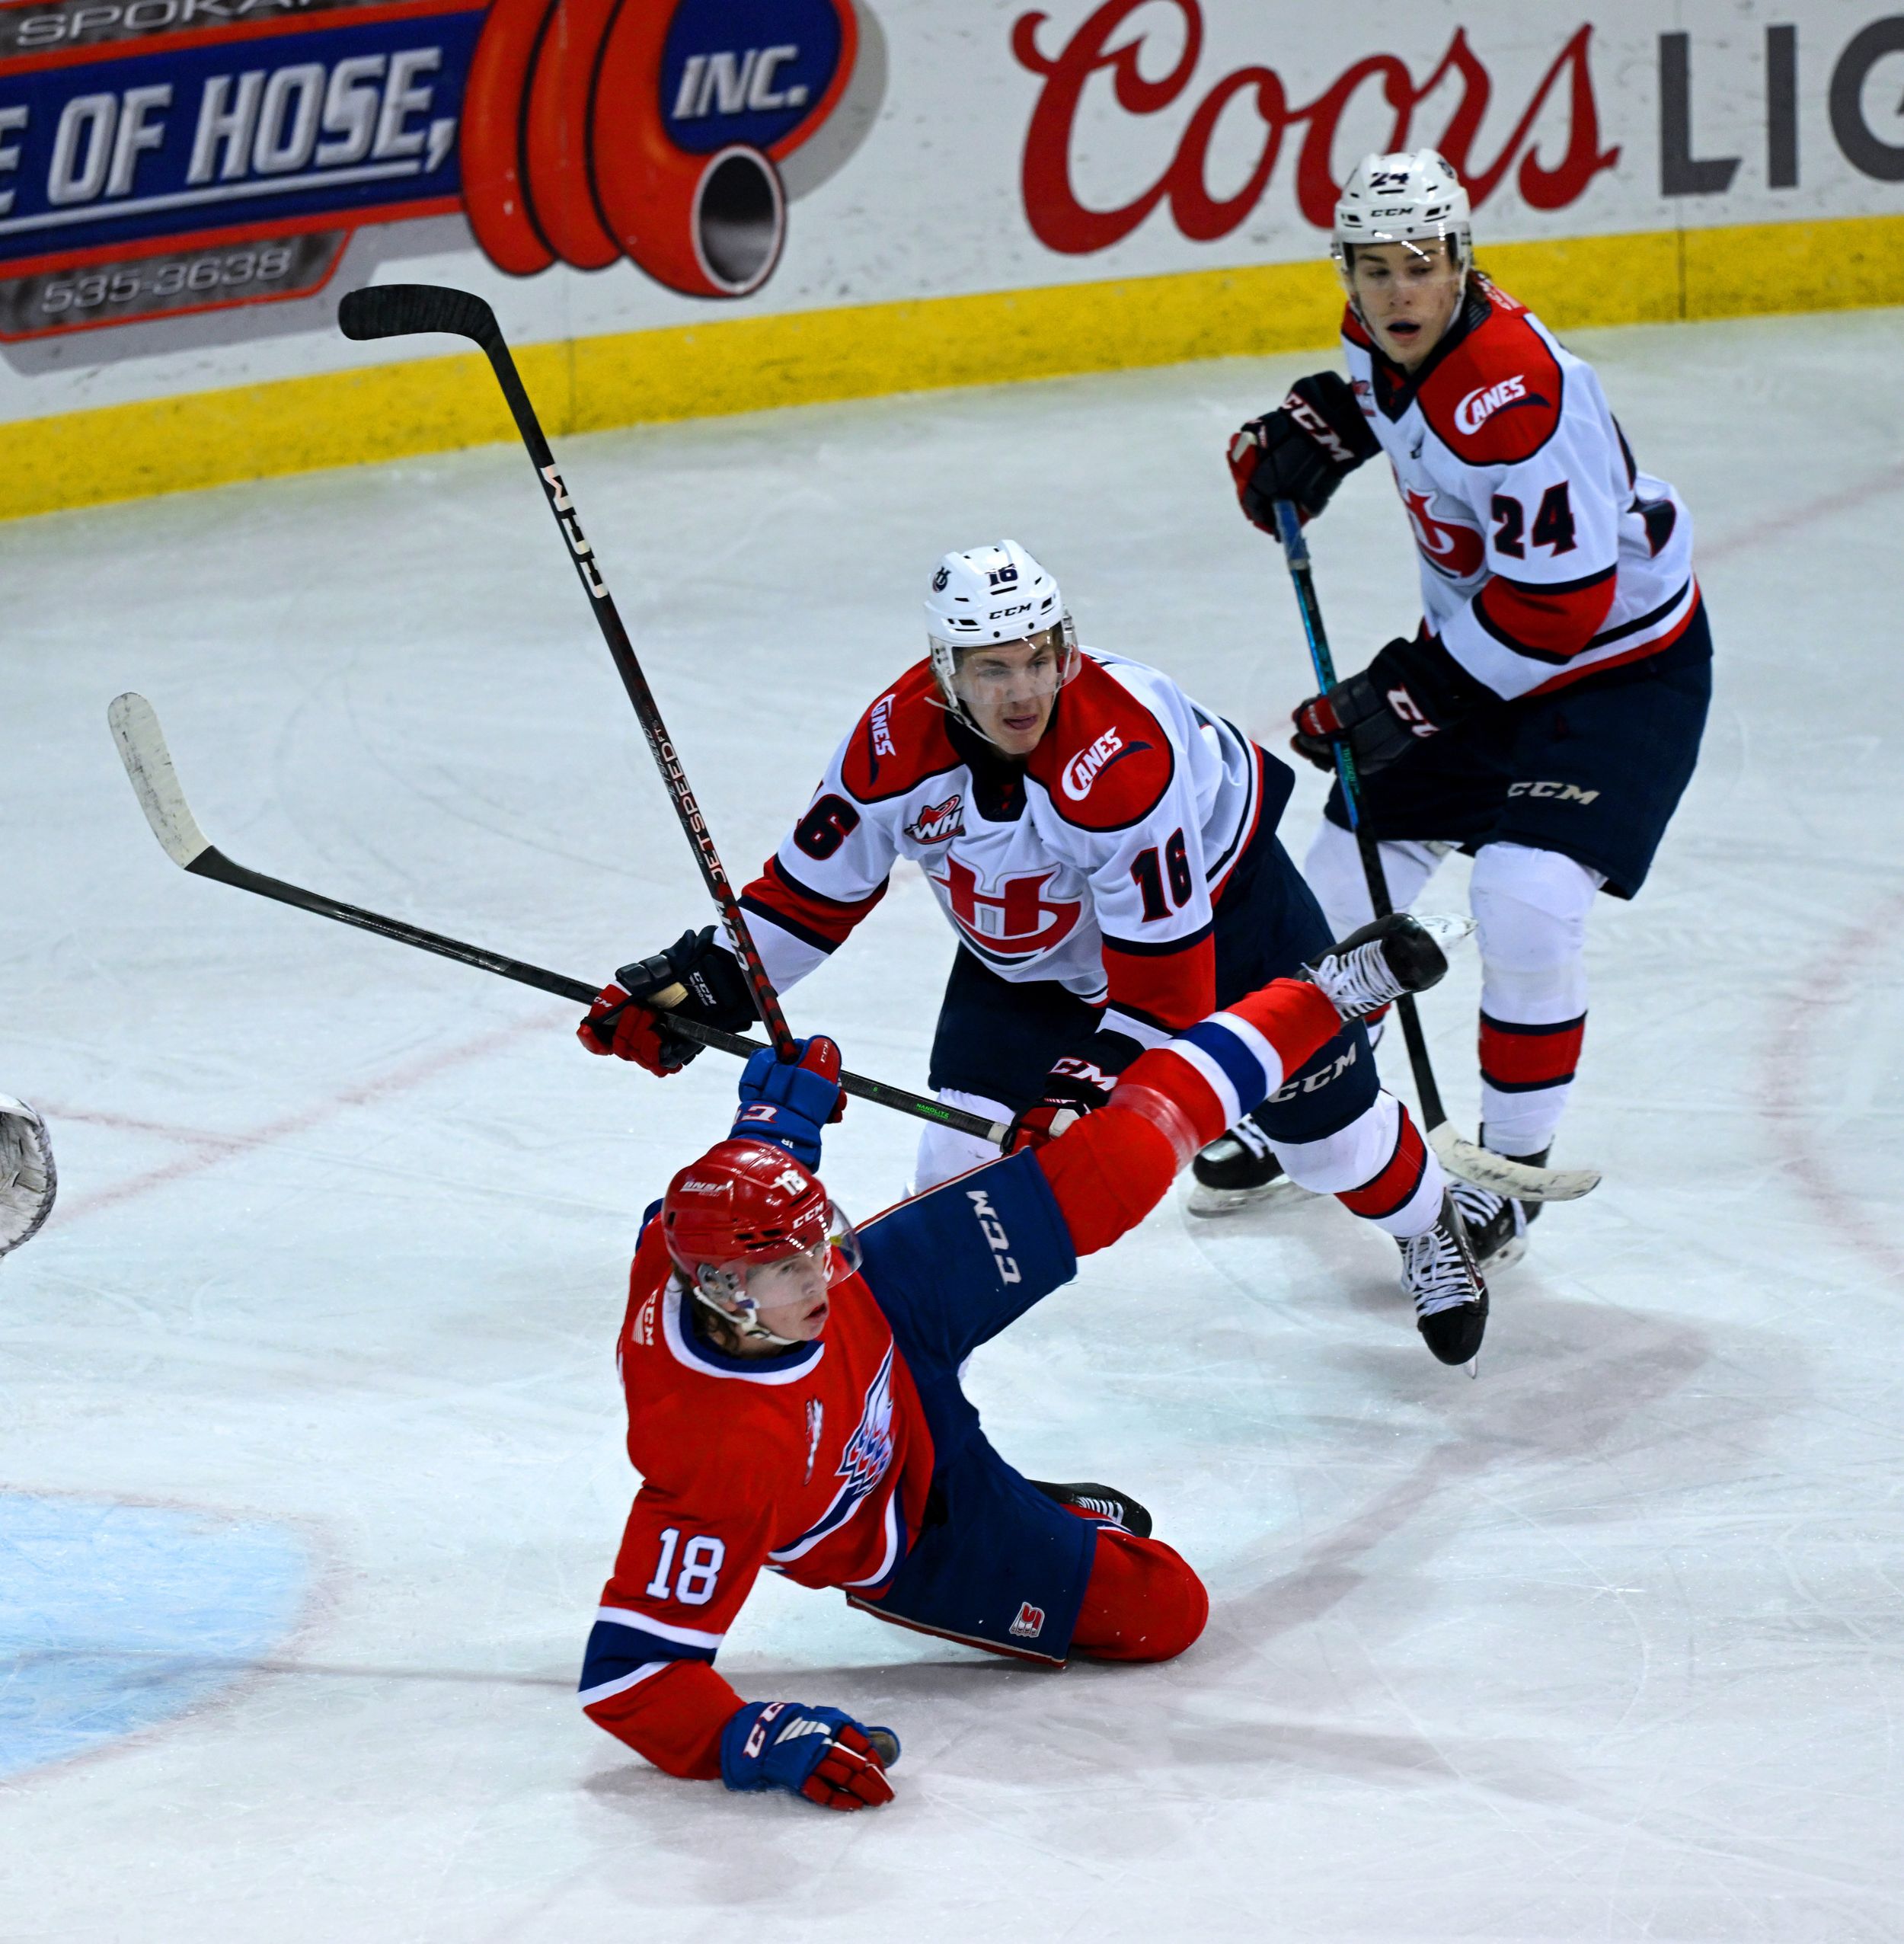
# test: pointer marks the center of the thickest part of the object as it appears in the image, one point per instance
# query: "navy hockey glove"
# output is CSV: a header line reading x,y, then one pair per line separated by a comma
x,y
819,1752
1303,451
1411,690
789,1101
1074,1088
629,1019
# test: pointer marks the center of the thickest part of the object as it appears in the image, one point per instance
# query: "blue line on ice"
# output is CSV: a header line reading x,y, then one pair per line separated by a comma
x,y
115,1617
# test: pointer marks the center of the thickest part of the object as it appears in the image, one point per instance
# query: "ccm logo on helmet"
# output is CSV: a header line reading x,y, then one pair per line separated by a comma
x,y
1089,764
1480,405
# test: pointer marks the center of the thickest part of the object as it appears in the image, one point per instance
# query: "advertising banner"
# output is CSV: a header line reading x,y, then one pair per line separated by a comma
x,y
186,186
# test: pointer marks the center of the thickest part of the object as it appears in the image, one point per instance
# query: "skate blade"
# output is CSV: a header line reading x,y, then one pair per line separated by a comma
x,y
1208,1202
1448,928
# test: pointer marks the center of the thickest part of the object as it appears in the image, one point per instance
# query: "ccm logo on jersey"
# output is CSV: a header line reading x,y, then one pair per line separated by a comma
x,y
993,1230
938,822
1088,765
1480,405
1566,792
1030,1621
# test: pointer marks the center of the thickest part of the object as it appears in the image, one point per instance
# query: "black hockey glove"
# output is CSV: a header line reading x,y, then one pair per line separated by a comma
x,y
1411,690
694,979
1302,452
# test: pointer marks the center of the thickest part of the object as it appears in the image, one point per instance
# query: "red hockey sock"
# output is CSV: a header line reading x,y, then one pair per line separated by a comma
x,y
1143,1603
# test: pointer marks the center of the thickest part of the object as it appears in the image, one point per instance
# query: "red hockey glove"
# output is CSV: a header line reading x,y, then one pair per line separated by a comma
x,y
694,979
616,1025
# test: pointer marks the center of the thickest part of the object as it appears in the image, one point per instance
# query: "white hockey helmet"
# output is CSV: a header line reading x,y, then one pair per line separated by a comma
x,y
1410,197
991,594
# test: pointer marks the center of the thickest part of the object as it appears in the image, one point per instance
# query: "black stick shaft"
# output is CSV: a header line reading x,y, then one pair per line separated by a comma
x,y
212,862
402,309
1295,551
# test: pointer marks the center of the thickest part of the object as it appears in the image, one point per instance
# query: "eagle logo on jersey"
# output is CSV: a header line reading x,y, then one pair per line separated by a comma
x,y
1016,922
867,1458
1452,548
938,822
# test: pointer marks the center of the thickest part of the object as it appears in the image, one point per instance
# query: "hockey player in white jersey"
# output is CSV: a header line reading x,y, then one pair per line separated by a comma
x,y
1105,850
1547,717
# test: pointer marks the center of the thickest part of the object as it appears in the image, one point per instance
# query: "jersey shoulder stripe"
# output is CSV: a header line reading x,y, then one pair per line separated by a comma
x,y
899,741
1105,762
1498,397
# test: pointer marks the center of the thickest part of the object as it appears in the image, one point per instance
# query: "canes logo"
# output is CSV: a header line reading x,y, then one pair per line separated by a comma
x,y
1030,1621
1016,921
1481,405
159,157
1090,763
938,822
1452,547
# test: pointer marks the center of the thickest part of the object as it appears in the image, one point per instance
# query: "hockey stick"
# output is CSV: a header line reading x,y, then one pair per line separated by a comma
x,y
148,763
1462,1157
405,310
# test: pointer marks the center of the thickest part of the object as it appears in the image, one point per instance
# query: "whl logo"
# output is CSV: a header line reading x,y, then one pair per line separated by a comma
x,y
1089,764
938,822
1480,405
1030,1621
1016,921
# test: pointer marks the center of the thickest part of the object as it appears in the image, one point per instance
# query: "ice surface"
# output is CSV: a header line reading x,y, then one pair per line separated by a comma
x,y
1608,1643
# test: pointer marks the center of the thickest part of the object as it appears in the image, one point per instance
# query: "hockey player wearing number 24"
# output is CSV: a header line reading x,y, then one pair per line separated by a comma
x,y
1547,717
793,1399
1105,849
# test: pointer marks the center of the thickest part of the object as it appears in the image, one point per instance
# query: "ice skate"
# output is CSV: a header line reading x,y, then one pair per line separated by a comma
x,y
1373,967
1238,1170
1438,1271
1496,1224
1100,1501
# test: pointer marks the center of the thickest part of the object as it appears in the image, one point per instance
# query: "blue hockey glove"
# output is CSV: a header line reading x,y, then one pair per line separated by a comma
x,y
789,1101
819,1752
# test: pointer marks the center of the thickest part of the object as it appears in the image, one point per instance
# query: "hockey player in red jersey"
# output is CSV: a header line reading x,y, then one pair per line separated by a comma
x,y
1547,717
1105,850
793,1399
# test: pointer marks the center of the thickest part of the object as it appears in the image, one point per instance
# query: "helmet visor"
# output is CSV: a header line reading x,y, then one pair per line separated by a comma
x,y
987,676
757,1283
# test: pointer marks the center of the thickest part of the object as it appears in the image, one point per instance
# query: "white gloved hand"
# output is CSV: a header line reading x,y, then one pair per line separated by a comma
x,y
28,1180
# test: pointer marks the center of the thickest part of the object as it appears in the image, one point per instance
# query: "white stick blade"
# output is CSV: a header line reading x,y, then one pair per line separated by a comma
x,y
1463,1159
148,763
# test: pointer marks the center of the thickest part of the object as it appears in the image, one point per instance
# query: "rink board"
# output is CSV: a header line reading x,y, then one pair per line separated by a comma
x,y
926,197
749,363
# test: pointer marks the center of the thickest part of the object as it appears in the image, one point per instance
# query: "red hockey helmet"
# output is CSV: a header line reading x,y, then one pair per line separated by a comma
x,y
743,1205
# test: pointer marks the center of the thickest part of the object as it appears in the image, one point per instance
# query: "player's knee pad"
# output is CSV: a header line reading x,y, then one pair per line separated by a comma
x,y
1378,1167
1346,1157
1334,869
1530,911
943,1153
1144,1602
